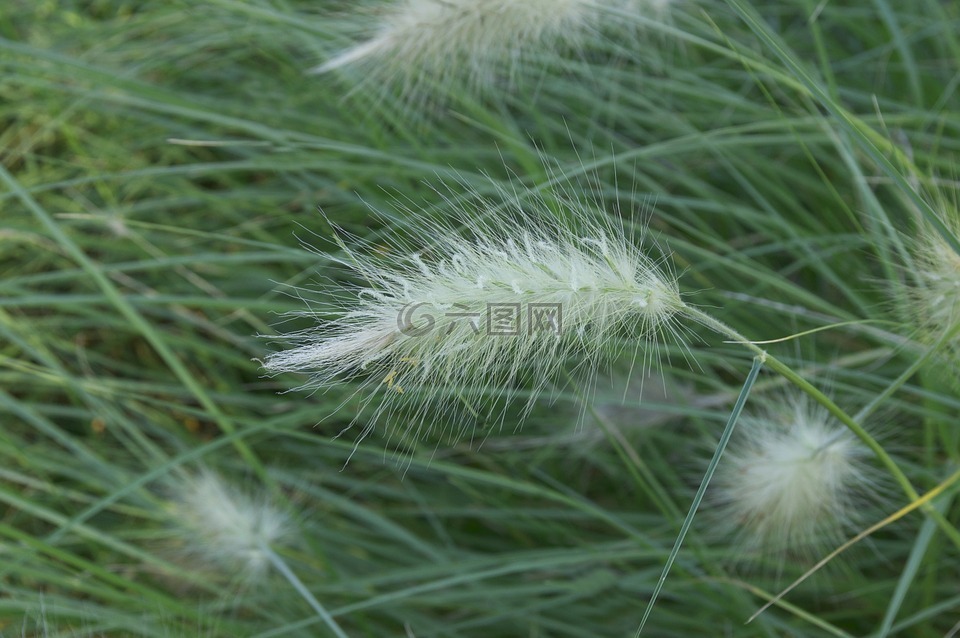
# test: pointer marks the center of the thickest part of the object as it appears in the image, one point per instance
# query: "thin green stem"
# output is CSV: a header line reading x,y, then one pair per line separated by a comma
x,y
708,475
284,569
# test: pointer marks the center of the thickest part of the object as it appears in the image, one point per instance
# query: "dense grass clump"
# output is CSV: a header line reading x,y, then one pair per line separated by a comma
x,y
179,196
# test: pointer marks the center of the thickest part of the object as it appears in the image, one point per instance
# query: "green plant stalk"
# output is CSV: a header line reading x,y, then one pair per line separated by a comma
x,y
707,476
790,375
920,547
292,578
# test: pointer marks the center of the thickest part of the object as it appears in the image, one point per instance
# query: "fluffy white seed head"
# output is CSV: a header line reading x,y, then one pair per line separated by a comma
x,y
791,479
225,526
437,42
466,315
935,294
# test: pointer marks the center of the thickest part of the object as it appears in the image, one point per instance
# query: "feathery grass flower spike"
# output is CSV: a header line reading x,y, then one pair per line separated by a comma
x,y
935,295
237,531
792,478
513,299
438,42
226,527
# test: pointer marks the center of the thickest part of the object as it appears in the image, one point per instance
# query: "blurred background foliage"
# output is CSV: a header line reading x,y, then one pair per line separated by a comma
x,y
162,168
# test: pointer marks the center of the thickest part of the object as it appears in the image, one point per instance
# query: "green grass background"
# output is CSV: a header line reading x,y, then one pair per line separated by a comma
x,y
160,165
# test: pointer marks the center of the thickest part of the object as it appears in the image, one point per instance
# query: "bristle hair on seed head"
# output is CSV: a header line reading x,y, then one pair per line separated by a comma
x,y
792,480
226,527
494,300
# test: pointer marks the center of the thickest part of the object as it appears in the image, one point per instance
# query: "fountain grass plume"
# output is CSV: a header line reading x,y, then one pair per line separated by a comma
x,y
934,295
793,480
226,527
423,45
474,307
446,39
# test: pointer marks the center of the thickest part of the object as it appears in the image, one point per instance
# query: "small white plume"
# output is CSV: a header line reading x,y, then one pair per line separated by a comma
x,y
792,478
227,527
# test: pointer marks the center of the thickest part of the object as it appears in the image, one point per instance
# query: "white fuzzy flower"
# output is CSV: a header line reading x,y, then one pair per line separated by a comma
x,y
935,295
227,527
436,42
463,316
791,478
